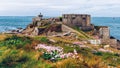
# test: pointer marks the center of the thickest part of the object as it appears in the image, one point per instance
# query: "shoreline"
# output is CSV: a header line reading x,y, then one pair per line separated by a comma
x,y
83,24
93,20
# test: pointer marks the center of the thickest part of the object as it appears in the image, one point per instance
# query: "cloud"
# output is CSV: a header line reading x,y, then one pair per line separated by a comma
x,y
57,7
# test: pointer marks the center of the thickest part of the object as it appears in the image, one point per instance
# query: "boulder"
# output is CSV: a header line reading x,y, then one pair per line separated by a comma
x,y
106,46
51,40
67,33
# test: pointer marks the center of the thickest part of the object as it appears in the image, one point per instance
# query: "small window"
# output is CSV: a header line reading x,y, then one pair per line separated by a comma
x,y
84,18
73,17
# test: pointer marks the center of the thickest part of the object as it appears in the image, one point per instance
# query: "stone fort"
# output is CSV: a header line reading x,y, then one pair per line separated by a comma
x,y
78,20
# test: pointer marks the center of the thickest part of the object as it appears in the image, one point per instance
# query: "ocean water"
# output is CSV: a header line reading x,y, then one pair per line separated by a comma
x,y
112,22
14,22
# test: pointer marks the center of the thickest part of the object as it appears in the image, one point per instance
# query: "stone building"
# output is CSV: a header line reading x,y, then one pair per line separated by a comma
x,y
104,32
37,19
78,20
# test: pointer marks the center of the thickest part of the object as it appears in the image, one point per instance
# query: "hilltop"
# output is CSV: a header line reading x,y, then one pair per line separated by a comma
x,y
55,43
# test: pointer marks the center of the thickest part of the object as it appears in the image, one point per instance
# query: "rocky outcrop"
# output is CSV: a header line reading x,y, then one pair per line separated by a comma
x,y
42,26
54,27
44,29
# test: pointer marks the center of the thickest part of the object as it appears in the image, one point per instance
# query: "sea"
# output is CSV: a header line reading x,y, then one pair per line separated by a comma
x,y
13,22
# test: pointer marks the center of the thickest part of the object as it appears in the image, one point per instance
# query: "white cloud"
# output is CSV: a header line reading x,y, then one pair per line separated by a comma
x,y
57,7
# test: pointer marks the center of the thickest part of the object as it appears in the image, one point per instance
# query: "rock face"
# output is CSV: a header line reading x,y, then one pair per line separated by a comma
x,y
47,30
37,31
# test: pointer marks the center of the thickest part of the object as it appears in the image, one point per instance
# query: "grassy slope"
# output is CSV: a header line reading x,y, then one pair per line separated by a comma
x,y
80,33
26,56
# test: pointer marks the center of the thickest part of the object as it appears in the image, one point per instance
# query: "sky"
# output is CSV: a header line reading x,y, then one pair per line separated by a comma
x,y
96,8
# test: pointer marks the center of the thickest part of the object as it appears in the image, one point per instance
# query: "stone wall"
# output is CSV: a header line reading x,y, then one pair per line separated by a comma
x,y
76,19
118,44
95,42
87,28
104,32
111,42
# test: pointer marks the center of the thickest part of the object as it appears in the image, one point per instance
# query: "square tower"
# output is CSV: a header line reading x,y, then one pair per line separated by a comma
x,y
104,32
80,20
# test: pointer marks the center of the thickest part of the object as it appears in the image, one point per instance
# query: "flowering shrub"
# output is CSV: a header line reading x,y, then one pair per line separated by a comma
x,y
55,53
48,48
53,56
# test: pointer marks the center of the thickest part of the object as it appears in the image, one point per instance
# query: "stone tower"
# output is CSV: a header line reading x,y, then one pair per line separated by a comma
x,y
76,19
37,19
40,15
104,32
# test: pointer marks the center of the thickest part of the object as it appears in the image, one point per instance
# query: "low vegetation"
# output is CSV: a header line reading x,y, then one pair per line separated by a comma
x,y
14,40
86,36
22,52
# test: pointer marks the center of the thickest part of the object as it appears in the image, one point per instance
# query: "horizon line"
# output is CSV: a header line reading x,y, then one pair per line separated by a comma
x,y
49,16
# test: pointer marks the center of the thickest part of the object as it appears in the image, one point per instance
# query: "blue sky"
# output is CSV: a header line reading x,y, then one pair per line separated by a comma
x,y
97,8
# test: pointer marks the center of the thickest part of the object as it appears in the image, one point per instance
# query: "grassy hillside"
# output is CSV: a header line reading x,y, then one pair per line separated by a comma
x,y
42,52
79,32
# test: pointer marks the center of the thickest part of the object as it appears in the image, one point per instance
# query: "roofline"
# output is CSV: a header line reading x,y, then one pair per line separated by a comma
x,y
76,14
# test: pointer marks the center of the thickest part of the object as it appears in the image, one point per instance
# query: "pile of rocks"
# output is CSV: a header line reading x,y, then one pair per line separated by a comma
x,y
17,31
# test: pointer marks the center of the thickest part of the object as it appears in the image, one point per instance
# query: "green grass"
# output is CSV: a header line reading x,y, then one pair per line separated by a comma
x,y
17,58
44,39
11,56
71,47
87,36
14,57
14,40
112,59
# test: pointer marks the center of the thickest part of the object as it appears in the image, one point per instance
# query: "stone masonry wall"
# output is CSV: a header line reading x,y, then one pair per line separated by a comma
x,y
79,20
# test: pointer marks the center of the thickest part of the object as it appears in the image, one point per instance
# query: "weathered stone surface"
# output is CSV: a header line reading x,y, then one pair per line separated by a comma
x,y
37,19
104,32
38,31
51,40
78,20
111,42
95,42
106,46
43,26
67,34
51,29
55,27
